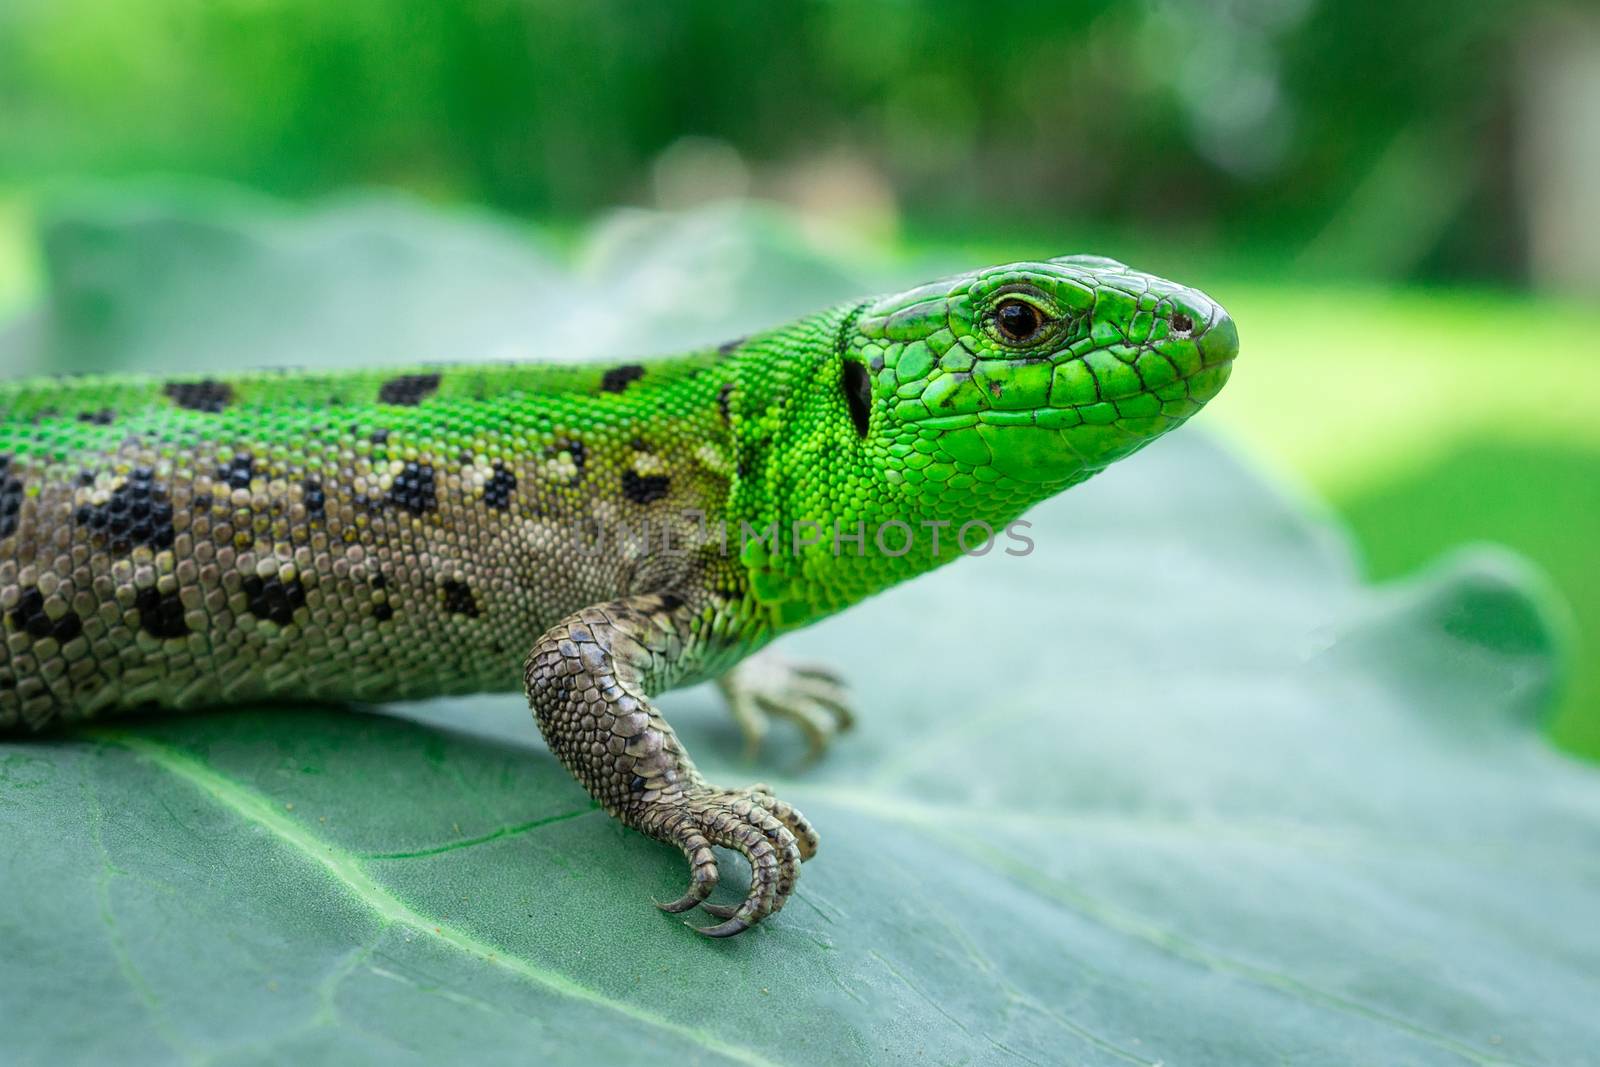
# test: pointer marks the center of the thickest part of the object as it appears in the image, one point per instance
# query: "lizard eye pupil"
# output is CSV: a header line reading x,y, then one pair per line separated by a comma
x,y
1018,321
857,387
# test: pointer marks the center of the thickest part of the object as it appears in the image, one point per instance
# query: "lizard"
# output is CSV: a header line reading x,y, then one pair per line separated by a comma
x,y
385,535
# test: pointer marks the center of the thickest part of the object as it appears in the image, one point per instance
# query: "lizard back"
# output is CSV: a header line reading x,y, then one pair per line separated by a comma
x,y
366,535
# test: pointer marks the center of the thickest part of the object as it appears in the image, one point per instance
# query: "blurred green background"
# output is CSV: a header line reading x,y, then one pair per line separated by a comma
x,y
1397,201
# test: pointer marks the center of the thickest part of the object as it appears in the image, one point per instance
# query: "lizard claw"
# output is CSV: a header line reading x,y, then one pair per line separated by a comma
x,y
766,687
702,873
727,929
741,820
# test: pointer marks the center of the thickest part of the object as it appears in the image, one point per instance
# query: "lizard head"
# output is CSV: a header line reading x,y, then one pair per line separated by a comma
x,y
1032,376
963,401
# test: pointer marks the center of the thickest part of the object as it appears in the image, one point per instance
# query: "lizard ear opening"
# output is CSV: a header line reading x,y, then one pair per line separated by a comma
x,y
857,386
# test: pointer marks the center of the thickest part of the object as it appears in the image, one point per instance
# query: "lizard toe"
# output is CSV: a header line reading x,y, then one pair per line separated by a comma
x,y
805,837
816,672
828,691
702,871
766,879
739,820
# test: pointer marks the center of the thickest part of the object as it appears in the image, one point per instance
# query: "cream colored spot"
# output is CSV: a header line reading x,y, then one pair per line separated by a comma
x,y
648,463
711,458
560,469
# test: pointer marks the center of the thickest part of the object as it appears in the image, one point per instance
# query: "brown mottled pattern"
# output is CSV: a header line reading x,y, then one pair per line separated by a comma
x,y
245,564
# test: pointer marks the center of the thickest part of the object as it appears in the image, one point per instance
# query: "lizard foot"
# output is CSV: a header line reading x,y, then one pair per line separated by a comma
x,y
766,687
772,836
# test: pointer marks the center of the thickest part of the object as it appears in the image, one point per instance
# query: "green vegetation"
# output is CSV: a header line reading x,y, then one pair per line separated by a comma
x,y
1429,419
1358,136
1541,499
19,284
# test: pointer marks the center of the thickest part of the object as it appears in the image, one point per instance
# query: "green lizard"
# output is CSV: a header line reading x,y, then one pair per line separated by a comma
x,y
616,530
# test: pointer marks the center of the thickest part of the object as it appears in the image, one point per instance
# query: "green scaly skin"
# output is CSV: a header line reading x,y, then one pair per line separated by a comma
x,y
384,536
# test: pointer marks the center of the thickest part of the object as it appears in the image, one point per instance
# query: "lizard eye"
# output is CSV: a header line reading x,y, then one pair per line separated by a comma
x,y
857,388
1018,322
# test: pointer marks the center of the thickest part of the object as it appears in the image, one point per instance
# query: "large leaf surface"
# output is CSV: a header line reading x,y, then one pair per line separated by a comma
x,y
1174,788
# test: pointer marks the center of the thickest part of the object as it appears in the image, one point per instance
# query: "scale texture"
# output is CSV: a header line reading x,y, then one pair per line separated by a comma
x,y
602,532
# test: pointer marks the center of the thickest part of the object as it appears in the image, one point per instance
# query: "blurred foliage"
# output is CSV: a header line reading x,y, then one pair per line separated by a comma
x,y
1358,136
1481,489
1407,419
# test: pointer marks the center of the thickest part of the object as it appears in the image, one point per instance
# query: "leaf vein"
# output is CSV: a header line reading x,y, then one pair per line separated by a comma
x,y
348,871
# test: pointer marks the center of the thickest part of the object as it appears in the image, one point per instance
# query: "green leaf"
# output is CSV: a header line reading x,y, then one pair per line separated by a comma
x,y
1172,788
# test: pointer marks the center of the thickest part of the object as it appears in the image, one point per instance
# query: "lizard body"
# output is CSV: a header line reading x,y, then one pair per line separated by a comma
x,y
612,530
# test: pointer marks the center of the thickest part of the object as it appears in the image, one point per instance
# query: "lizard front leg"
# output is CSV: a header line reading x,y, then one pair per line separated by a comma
x,y
589,681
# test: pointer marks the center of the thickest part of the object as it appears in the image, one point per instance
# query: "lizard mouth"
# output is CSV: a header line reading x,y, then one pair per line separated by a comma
x,y
1200,385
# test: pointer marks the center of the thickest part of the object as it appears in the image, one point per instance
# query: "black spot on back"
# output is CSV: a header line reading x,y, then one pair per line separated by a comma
x,y
207,395
578,453
617,379
161,614
29,616
497,494
728,346
643,488
382,612
273,598
315,499
139,512
413,489
238,472
725,403
380,437
458,599
103,417
10,498
67,627
408,390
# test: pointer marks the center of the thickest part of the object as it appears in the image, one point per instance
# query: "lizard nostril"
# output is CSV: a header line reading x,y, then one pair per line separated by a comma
x,y
1182,323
